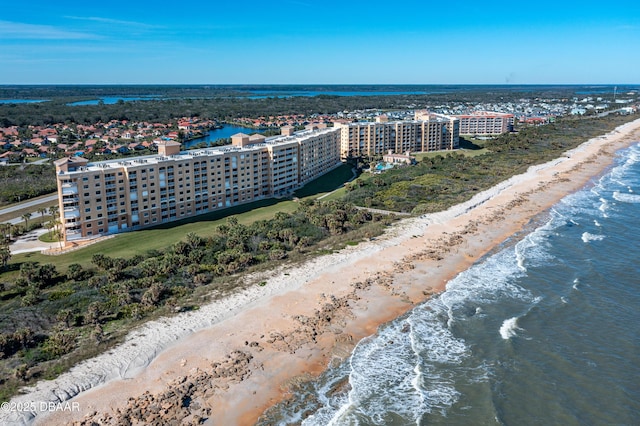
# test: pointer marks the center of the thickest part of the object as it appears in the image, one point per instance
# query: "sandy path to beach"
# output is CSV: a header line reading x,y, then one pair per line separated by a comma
x,y
228,362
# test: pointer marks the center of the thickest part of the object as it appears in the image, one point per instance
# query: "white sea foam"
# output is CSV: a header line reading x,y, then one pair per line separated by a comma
x,y
386,370
563,299
509,328
596,223
575,284
604,206
588,237
626,198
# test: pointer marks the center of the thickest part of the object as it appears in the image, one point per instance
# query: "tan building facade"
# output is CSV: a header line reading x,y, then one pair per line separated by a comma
x,y
428,132
485,123
113,196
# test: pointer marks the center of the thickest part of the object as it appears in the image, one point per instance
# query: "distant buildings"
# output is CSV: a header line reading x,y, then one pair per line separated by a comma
x,y
428,132
402,159
485,123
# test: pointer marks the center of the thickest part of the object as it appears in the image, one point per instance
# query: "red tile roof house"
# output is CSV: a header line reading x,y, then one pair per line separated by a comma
x,y
9,131
184,125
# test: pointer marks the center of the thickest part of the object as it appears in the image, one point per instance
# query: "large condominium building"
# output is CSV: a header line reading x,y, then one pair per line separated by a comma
x,y
428,132
116,195
485,123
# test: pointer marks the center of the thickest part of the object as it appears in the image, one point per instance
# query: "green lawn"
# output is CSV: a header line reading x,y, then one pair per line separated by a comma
x,y
327,183
129,244
49,237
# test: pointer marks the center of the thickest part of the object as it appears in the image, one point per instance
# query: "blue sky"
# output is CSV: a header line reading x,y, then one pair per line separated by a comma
x,y
328,42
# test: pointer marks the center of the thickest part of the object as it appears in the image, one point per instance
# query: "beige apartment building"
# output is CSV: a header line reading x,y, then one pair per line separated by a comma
x,y
485,123
113,196
428,132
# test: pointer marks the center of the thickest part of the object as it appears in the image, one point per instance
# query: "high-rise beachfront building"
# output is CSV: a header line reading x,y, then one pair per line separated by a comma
x,y
427,132
485,123
112,196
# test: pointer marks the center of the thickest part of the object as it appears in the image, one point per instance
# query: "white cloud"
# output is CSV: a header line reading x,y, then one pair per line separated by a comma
x,y
20,31
112,21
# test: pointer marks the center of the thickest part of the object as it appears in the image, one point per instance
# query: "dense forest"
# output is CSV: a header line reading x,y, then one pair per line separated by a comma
x,y
26,181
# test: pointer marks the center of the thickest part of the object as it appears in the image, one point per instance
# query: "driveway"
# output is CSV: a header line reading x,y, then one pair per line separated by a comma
x,y
29,242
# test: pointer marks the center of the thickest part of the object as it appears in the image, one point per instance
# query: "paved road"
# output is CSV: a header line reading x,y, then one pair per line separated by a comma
x,y
48,200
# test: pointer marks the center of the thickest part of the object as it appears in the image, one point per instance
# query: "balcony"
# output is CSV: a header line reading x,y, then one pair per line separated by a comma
x,y
69,189
71,213
70,197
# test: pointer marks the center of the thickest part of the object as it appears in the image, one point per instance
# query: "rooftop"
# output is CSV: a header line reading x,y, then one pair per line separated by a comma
x,y
185,155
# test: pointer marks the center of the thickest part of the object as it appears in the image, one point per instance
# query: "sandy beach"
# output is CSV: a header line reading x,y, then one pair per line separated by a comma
x,y
229,361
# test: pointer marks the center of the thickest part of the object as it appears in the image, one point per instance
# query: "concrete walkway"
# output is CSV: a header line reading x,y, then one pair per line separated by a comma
x,y
29,242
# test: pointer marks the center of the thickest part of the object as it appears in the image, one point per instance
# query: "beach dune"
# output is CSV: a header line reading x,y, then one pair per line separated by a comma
x,y
229,361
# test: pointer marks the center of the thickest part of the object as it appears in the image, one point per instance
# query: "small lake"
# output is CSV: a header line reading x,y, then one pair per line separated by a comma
x,y
114,100
22,101
227,131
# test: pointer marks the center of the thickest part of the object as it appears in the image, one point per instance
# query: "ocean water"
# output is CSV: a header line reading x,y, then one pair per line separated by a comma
x,y
545,330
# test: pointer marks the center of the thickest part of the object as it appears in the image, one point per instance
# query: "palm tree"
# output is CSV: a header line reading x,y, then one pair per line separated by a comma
x,y
50,225
58,227
26,218
5,253
42,211
4,230
53,211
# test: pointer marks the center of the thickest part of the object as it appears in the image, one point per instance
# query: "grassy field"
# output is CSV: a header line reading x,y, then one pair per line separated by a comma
x,y
327,183
469,147
129,244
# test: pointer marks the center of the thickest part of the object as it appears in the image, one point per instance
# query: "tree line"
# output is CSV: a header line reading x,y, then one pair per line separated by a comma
x,y
18,183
